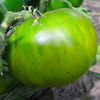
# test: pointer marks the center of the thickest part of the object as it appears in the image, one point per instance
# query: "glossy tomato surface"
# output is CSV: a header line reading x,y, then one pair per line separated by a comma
x,y
7,82
56,4
12,5
53,50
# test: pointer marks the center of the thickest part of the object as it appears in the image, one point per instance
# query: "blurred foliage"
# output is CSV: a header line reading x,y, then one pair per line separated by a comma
x,y
22,92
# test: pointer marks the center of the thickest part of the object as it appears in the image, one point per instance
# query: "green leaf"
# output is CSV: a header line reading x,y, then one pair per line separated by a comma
x,y
80,10
22,92
95,73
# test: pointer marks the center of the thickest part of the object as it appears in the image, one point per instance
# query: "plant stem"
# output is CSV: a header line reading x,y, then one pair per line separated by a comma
x,y
3,9
80,10
10,17
68,3
98,74
10,32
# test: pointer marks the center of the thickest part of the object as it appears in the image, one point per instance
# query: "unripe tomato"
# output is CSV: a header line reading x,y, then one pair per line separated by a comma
x,y
54,50
7,82
56,4
12,5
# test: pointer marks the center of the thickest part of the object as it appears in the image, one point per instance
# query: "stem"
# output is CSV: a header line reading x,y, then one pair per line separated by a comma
x,y
10,32
37,13
3,9
2,38
40,14
68,3
10,17
80,10
98,74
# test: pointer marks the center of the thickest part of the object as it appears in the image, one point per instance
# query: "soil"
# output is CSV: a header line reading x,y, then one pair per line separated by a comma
x,y
88,86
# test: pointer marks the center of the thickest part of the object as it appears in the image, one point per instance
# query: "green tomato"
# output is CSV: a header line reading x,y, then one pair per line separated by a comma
x,y
7,81
12,5
54,50
56,4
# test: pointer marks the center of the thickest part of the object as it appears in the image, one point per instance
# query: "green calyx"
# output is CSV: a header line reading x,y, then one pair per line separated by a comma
x,y
80,10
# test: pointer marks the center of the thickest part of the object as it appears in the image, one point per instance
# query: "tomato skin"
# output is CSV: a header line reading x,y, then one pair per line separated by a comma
x,y
7,82
12,5
56,50
56,4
